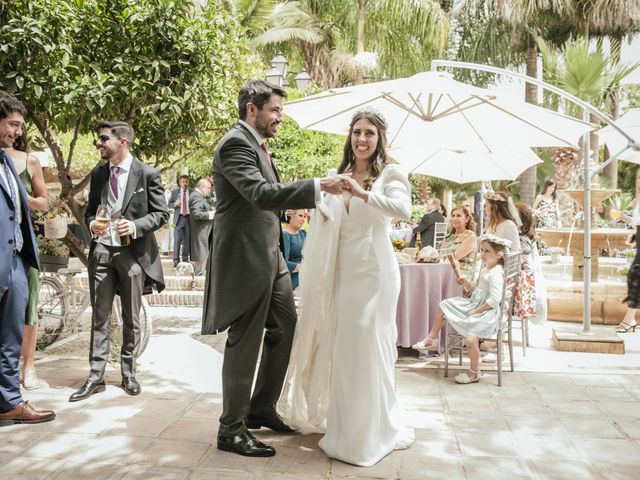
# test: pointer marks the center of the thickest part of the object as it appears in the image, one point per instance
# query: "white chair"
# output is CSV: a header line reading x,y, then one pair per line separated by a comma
x,y
455,341
439,233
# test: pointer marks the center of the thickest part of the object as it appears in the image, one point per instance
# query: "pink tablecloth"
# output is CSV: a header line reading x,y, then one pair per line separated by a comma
x,y
422,287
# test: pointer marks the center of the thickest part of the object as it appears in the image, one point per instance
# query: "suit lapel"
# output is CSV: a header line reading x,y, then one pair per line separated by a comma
x,y
132,183
104,181
268,171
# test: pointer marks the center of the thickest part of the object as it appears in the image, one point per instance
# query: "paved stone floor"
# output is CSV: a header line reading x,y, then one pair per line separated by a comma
x,y
560,415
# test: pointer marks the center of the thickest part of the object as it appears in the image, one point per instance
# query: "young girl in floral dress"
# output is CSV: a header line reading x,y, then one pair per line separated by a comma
x,y
478,316
524,305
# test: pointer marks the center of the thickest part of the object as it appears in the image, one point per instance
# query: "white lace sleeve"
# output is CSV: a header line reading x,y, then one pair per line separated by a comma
x,y
305,398
394,198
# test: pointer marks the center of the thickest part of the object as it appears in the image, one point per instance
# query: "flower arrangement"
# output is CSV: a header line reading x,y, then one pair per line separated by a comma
x,y
399,244
624,271
629,252
49,246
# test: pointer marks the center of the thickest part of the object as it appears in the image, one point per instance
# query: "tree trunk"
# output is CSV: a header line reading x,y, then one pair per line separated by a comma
x,y
361,19
611,170
528,178
317,61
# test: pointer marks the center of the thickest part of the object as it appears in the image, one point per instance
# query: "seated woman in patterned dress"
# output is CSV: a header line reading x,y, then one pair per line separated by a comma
x,y
462,240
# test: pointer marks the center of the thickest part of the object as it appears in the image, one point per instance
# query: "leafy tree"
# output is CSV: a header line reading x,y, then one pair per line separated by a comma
x,y
162,65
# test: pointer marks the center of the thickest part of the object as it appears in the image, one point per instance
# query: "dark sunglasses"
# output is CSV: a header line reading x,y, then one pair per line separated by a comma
x,y
103,138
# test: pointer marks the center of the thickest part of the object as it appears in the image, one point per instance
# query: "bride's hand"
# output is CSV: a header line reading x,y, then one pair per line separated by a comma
x,y
349,184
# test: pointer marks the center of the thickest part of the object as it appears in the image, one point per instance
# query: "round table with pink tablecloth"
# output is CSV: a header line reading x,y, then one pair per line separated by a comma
x,y
422,287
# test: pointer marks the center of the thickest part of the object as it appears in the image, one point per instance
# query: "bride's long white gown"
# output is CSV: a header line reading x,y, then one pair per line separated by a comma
x,y
359,366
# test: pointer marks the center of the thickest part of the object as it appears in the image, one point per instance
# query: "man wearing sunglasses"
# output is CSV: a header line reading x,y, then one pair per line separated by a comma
x,y
123,257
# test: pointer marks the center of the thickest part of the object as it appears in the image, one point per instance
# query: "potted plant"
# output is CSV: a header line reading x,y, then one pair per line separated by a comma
x,y
554,253
54,254
55,218
629,254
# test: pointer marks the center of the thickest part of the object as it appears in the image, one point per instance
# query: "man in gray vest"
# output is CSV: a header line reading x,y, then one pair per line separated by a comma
x,y
248,287
124,256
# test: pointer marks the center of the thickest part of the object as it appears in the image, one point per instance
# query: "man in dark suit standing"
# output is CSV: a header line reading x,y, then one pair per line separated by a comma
x,y
248,287
181,214
18,251
124,256
201,220
427,226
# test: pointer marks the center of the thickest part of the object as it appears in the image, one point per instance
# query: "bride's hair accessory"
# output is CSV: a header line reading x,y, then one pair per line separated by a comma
x,y
495,196
487,237
370,111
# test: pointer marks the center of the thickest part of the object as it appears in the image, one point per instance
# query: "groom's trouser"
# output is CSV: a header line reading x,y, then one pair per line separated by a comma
x,y
275,311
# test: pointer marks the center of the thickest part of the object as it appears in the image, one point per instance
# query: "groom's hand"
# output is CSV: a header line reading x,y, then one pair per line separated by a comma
x,y
331,184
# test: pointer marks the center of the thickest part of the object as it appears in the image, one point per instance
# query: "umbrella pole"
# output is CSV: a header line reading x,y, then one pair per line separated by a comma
x,y
586,321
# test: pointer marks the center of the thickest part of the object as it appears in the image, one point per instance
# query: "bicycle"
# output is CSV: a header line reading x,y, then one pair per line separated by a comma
x,y
61,306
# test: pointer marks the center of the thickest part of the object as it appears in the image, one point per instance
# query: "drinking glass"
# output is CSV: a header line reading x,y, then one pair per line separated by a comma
x,y
103,216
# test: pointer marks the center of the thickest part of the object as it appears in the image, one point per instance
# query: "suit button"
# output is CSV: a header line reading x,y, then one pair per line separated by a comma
x,y
11,219
10,242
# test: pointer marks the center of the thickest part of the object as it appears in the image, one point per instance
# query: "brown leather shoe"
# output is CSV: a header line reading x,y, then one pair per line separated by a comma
x,y
25,413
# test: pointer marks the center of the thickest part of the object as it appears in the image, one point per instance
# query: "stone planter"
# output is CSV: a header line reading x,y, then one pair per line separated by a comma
x,y
56,227
51,263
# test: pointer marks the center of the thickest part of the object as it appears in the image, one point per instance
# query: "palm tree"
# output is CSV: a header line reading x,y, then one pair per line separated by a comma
x,y
404,34
590,75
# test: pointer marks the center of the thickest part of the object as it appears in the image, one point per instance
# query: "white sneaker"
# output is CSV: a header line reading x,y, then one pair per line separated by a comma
x,y
489,358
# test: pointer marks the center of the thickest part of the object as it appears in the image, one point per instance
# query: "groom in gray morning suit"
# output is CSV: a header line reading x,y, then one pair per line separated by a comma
x,y
248,288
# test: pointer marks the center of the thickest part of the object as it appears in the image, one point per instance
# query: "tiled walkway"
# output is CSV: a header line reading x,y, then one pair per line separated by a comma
x,y
559,423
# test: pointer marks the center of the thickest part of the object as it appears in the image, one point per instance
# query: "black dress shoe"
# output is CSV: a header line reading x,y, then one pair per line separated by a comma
x,y
274,422
245,444
88,389
131,386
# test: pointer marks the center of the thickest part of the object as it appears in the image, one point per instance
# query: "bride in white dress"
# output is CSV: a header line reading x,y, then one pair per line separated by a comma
x,y
341,378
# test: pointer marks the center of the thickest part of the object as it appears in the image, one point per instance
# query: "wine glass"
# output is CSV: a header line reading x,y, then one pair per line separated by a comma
x,y
103,216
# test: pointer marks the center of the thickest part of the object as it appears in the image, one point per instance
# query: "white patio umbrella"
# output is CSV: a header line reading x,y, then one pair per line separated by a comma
x,y
441,113
630,123
463,166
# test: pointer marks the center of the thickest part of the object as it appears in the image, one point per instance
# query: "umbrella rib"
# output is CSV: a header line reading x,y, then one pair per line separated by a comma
x,y
456,108
399,104
416,102
404,120
351,107
527,122
471,125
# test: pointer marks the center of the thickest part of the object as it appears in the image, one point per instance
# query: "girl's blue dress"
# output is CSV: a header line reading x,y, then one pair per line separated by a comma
x,y
488,290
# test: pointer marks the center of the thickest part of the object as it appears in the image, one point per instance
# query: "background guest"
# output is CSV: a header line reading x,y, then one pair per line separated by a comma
x,y
462,240
180,200
500,220
525,296
628,323
427,226
546,207
201,224
30,172
293,239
